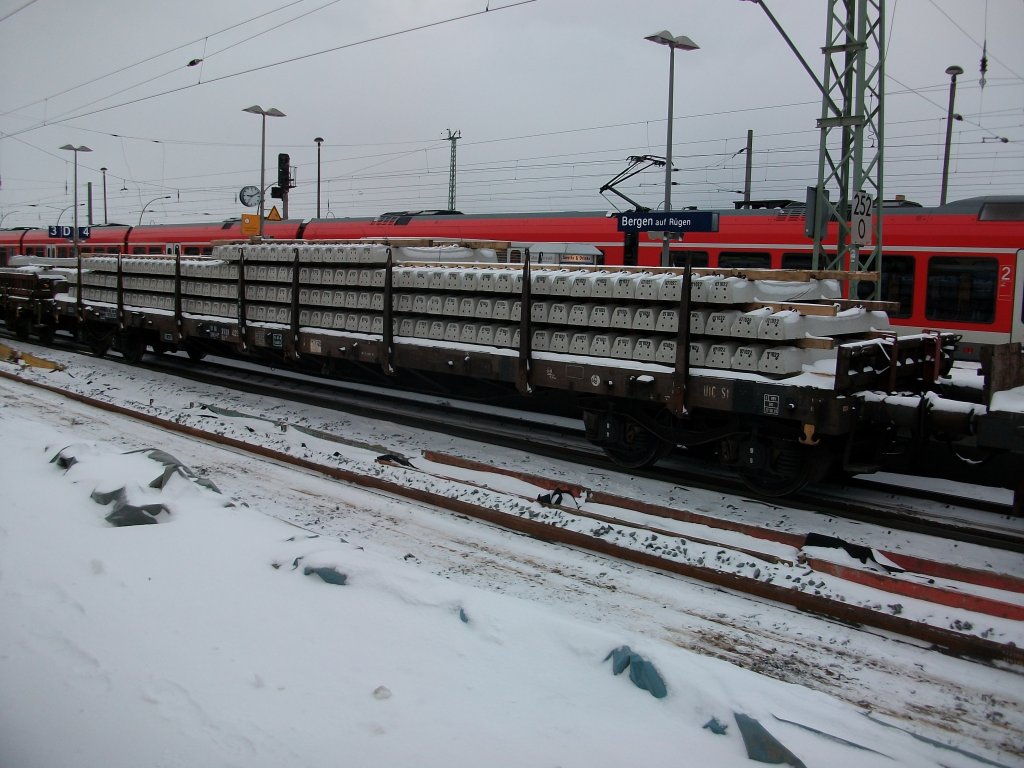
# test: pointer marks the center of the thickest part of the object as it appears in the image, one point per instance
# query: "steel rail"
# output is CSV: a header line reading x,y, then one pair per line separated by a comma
x,y
944,640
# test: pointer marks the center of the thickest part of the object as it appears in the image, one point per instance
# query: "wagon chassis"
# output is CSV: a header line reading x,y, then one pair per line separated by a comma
x,y
776,434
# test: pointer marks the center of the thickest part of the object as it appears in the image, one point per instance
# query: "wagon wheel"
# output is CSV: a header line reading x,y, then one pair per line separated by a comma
x,y
639,447
792,466
97,340
133,346
195,353
23,328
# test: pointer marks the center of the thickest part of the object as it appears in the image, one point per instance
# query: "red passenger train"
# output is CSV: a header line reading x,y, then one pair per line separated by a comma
x,y
958,267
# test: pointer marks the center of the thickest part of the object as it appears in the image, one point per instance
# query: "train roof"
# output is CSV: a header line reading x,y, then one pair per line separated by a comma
x,y
990,207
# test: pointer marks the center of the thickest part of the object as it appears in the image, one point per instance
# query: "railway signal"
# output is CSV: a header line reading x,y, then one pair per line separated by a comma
x,y
285,181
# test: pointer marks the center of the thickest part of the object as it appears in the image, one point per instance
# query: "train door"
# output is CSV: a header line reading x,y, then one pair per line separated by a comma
x,y
51,251
1017,321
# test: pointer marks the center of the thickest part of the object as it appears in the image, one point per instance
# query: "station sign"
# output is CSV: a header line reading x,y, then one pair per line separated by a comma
x,y
668,221
250,224
68,232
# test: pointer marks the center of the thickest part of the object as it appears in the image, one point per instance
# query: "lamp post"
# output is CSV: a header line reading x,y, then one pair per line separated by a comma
x,y
76,150
6,215
952,71
683,43
104,172
319,140
256,109
64,210
162,197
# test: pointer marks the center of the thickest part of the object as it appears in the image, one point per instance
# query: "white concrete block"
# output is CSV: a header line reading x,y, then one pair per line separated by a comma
x,y
560,341
541,340
748,324
623,347
720,354
747,357
601,345
645,320
580,342
720,322
622,317
666,353
646,349
624,287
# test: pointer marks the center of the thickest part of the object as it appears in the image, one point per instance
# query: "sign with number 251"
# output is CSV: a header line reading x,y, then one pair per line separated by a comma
x,y
861,227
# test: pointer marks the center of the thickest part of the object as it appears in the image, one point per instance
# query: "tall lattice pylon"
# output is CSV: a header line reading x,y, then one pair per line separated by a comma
x,y
452,137
852,141
852,109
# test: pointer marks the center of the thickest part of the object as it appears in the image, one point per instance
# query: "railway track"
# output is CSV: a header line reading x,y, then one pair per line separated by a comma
x,y
962,518
911,507
886,593
968,519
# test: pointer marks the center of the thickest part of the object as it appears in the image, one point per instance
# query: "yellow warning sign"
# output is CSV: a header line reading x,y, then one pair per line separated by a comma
x,y
273,215
250,225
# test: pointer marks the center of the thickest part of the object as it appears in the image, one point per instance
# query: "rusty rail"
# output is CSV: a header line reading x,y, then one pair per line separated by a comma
x,y
944,640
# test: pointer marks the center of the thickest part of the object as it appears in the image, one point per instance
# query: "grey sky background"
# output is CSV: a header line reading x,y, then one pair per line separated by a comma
x,y
550,96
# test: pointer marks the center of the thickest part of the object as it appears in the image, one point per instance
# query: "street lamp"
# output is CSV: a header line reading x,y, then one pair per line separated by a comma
x,y
952,71
683,43
6,215
256,109
76,150
63,211
162,197
319,140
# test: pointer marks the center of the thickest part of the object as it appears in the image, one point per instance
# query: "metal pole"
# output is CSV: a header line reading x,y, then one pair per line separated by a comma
x,y
104,172
952,71
668,152
263,168
74,203
750,163
318,141
256,109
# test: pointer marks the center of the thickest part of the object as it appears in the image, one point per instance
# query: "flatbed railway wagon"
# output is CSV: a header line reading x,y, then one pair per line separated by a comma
x,y
957,267
773,369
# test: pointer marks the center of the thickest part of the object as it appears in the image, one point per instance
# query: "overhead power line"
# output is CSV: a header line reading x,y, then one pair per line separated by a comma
x,y
20,8
146,60
263,67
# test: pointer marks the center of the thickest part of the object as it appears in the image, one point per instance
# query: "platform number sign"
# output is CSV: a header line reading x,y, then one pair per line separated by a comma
x,y
68,233
861,226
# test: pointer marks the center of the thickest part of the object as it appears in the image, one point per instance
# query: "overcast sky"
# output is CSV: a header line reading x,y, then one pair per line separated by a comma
x,y
550,97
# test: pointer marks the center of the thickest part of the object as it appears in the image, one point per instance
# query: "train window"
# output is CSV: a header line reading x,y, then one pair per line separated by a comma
x,y
796,260
156,249
1002,211
138,249
697,258
896,284
961,289
192,250
741,260
804,260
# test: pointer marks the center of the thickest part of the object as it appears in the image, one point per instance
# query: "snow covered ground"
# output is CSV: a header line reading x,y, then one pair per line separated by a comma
x,y
203,641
